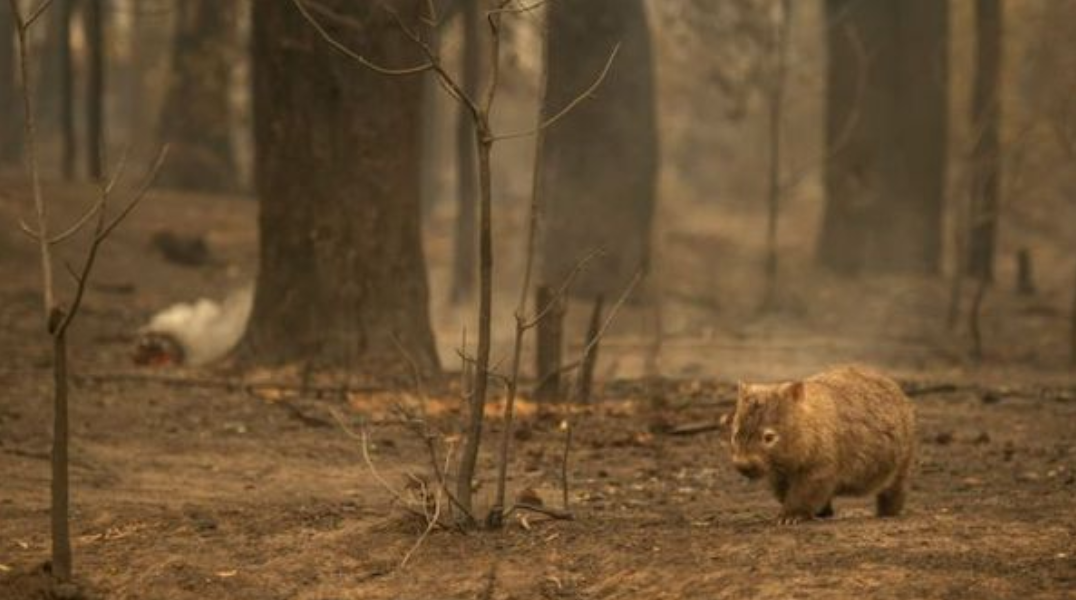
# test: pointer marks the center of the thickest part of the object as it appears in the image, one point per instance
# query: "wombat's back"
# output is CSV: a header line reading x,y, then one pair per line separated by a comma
x,y
866,426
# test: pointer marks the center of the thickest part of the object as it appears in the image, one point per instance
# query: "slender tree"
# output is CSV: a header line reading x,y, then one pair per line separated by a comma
x,y
986,152
9,122
885,176
93,22
600,162
65,13
778,54
342,278
196,115
464,267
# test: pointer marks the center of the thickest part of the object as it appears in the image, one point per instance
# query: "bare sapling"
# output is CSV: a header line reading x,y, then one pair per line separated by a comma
x,y
479,109
778,58
781,186
59,316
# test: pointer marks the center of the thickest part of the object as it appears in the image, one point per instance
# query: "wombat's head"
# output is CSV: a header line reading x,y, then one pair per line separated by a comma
x,y
760,426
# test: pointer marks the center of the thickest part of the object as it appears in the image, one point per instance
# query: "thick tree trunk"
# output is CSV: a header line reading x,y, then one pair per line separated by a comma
x,y
464,267
195,119
600,162
342,279
93,20
10,126
986,154
885,178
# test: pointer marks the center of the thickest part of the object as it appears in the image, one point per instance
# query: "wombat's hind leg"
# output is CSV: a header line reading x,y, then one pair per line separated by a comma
x,y
826,512
891,499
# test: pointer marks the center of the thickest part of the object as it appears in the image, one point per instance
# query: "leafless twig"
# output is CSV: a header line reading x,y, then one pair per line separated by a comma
x,y
484,138
364,445
341,48
568,108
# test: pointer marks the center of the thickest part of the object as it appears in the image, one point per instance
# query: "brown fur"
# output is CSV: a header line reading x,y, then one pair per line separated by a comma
x,y
844,432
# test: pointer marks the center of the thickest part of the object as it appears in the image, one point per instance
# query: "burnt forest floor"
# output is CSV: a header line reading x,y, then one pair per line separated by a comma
x,y
189,485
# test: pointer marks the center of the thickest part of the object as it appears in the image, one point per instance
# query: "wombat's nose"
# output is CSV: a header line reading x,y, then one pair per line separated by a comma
x,y
748,468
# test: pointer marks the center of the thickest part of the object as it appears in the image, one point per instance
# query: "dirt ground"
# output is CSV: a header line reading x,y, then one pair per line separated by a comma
x,y
188,485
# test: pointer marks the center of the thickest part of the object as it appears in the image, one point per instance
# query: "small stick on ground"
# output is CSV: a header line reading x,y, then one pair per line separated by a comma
x,y
364,445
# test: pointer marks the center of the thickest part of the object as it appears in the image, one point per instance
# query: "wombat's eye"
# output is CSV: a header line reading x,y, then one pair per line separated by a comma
x,y
769,437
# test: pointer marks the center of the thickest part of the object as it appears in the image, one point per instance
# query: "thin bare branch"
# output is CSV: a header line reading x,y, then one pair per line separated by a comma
x,y
433,520
494,19
844,136
448,83
519,8
36,14
101,232
89,214
587,93
77,225
147,183
562,290
30,126
364,445
535,211
348,52
601,331
616,308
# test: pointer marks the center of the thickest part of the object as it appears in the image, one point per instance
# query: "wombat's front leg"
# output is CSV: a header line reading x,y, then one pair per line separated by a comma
x,y
806,497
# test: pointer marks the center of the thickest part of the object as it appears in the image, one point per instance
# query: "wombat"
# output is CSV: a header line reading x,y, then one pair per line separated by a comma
x,y
844,432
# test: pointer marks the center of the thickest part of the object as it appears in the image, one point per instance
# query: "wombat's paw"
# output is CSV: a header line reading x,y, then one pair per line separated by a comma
x,y
784,520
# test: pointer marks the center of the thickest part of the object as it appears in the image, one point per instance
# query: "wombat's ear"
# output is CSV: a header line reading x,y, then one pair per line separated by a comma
x,y
794,391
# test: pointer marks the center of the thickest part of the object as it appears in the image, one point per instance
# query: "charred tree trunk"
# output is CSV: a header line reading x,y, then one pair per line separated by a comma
x,y
93,20
585,383
342,278
196,115
600,162
1025,273
10,128
986,154
463,263
549,342
885,177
